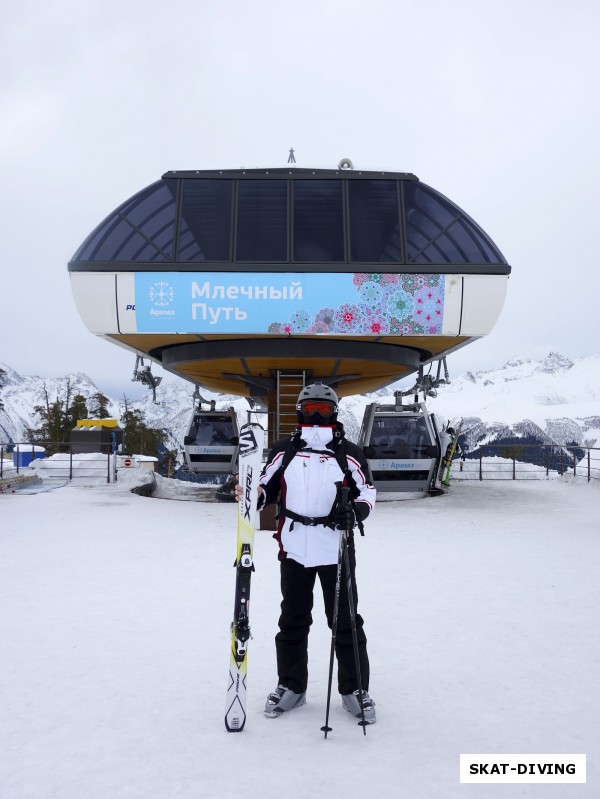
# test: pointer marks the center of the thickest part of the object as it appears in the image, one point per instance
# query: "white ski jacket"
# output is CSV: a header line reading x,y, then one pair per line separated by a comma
x,y
307,487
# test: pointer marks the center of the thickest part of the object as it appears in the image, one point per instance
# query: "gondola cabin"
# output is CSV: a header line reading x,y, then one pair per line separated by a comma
x,y
401,446
210,446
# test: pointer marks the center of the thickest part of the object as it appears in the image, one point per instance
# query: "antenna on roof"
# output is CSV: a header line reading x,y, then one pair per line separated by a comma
x,y
292,157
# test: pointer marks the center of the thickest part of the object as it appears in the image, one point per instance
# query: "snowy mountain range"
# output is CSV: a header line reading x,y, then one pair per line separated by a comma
x,y
553,401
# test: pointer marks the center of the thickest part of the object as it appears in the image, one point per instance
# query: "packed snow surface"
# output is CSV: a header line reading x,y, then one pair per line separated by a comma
x,y
481,609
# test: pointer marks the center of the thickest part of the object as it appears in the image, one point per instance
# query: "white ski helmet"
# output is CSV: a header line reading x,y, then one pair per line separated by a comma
x,y
317,404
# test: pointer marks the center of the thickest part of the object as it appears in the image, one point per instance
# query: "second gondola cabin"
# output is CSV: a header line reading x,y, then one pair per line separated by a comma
x,y
402,447
211,443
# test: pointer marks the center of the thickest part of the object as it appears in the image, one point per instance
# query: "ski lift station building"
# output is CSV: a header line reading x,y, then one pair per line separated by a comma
x,y
249,281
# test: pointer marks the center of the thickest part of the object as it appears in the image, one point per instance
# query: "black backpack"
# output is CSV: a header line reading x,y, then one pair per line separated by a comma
x,y
339,452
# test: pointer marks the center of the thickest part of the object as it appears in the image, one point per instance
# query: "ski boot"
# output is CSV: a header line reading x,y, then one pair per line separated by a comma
x,y
352,705
281,700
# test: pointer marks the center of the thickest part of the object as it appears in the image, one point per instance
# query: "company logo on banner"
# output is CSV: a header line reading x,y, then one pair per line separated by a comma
x,y
353,304
161,293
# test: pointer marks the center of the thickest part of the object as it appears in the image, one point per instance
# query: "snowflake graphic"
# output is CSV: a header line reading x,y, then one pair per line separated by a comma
x,y
400,304
348,318
161,293
300,321
382,278
326,316
428,317
319,327
395,326
411,328
371,293
412,283
377,324
389,280
429,306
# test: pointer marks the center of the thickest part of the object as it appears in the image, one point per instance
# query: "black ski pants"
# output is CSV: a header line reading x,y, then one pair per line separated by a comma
x,y
297,584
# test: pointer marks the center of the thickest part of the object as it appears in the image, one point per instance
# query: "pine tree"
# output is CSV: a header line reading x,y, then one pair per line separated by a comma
x,y
139,438
77,410
2,376
57,417
98,406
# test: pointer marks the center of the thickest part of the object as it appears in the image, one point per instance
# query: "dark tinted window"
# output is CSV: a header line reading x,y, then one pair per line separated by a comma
x,y
142,229
205,227
374,221
212,431
318,220
262,220
400,436
439,232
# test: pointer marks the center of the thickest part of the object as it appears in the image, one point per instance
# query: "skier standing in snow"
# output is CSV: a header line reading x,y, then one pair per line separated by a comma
x,y
303,474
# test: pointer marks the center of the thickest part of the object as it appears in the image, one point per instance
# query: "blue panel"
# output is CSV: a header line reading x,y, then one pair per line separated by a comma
x,y
367,304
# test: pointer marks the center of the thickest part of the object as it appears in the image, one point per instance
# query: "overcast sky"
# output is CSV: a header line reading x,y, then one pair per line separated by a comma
x,y
496,105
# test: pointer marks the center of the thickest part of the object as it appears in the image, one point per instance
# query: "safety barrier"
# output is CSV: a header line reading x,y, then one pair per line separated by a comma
x,y
527,462
74,465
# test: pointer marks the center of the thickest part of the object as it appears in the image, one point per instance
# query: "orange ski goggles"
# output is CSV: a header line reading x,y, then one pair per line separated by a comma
x,y
322,407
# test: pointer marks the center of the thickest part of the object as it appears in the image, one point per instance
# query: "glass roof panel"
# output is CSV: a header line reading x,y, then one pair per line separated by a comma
x,y
437,231
343,219
262,220
205,233
374,221
141,229
318,220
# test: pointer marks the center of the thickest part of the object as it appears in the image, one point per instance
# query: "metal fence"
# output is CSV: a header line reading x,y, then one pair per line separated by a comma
x,y
527,462
75,464
488,462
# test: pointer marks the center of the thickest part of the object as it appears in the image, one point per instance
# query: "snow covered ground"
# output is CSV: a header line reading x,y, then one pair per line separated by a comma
x,y
481,609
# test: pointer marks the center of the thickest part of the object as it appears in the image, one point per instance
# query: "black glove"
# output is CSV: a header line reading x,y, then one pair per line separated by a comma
x,y
344,517
262,498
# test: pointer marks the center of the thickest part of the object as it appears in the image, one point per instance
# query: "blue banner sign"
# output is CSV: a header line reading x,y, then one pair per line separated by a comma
x,y
288,303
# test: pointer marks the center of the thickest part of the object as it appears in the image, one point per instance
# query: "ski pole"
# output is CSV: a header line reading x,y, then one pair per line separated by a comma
x,y
336,605
345,492
352,609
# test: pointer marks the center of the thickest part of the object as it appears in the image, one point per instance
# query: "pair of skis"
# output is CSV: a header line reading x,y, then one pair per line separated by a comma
x,y
450,456
250,459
